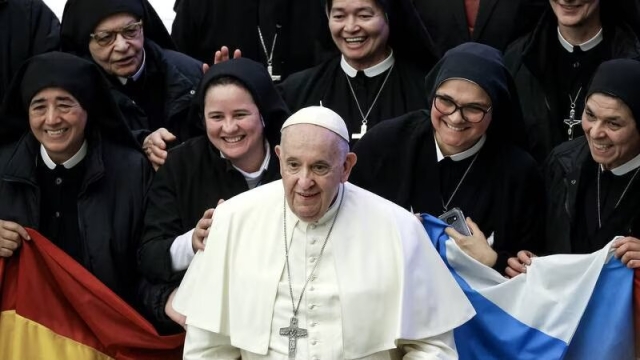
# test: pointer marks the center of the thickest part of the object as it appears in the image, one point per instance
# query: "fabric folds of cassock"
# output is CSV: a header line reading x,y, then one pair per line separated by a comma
x,y
420,299
53,308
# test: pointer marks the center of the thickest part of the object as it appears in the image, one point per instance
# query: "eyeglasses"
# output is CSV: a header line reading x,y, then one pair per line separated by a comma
x,y
129,32
470,113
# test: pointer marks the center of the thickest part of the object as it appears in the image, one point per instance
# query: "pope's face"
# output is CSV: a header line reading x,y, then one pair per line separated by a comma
x,y
313,163
611,130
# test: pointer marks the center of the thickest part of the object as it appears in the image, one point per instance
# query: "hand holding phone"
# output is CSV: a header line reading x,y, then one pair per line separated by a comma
x,y
456,219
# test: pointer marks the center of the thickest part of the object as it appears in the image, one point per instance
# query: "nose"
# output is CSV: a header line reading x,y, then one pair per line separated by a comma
x,y
596,129
456,117
229,125
351,24
51,117
305,180
120,43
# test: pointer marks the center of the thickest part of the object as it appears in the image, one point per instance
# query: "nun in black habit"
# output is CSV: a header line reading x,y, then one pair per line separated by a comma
x,y
385,55
70,169
593,182
288,35
154,86
207,169
430,162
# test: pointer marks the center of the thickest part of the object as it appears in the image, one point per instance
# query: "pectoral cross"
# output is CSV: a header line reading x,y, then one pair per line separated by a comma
x,y
571,122
273,77
363,130
293,332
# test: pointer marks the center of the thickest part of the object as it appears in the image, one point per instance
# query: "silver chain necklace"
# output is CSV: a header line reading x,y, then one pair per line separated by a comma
x,y
572,121
624,192
293,332
446,206
268,55
365,117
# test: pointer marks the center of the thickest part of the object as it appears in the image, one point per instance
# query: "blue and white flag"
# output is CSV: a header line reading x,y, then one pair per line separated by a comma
x,y
564,307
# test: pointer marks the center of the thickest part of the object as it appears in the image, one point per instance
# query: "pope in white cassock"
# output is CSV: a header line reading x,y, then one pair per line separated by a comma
x,y
313,267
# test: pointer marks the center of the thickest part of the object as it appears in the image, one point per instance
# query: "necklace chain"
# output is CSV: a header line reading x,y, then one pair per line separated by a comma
x,y
573,101
365,117
287,247
624,192
446,206
269,56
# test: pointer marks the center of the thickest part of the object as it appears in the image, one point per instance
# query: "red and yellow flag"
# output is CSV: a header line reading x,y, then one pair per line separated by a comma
x,y
52,308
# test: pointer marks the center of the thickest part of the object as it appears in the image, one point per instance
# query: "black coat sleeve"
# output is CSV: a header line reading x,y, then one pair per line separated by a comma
x,y
162,224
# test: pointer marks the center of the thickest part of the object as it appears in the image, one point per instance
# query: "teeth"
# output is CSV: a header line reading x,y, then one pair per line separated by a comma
x,y
454,128
233,139
354,39
601,147
55,132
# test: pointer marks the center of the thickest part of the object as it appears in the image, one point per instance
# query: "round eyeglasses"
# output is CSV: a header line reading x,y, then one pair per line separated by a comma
x,y
470,113
108,37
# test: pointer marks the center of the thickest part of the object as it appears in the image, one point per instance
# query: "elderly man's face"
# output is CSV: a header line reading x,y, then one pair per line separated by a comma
x,y
58,121
572,13
360,31
313,163
611,131
123,56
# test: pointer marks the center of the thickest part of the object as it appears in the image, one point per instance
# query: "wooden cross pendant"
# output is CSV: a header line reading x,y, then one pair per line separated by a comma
x,y
273,77
571,122
363,130
293,332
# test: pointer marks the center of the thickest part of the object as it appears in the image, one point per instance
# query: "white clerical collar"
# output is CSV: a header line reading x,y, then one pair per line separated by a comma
x,y
331,212
626,167
254,177
462,155
375,70
585,46
136,76
73,161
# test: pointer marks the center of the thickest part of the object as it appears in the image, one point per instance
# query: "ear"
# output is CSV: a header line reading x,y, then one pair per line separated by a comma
x,y
278,150
349,163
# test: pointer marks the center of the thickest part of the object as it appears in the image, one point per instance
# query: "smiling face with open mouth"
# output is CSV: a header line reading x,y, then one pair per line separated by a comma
x,y
234,125
572,13
611,130
124,56
453,133
57,121
360,30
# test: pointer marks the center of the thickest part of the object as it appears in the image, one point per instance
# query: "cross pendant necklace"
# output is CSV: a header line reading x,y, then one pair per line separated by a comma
x,y
268,55
572,121
293,332
363,125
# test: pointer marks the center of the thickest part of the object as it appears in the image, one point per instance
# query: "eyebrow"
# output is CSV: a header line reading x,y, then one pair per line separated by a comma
x,y
465,104
117,27
588,109
57,98
364,8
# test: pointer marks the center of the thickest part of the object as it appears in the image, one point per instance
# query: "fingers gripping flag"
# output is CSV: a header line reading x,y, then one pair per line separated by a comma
x,y
564,307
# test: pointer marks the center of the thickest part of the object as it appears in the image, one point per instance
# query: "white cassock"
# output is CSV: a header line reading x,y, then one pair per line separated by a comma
x,y
380,289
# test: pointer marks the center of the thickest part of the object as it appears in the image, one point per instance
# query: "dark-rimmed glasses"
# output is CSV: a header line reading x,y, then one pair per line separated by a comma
x,y
470,113
129,32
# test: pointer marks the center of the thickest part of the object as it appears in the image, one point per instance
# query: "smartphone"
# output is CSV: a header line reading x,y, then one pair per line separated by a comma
x,y
455,218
